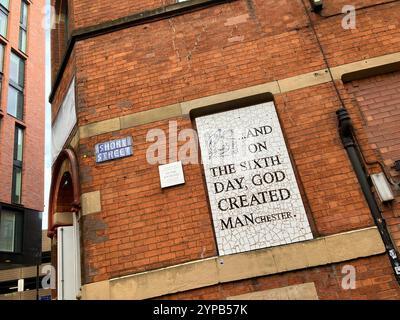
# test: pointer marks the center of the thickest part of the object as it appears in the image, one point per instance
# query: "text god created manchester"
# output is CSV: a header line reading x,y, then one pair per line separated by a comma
x,y
269,195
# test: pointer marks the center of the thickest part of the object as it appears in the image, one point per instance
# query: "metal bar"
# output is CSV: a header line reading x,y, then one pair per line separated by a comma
x,y
347,135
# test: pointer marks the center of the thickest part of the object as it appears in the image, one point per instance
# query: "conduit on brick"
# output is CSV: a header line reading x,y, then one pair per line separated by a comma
x,y
346,131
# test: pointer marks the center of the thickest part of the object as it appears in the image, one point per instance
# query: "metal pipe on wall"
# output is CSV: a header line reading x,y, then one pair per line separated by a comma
x,y
346,132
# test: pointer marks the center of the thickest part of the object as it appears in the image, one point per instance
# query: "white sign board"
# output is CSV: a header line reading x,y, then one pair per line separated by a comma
x,y
253,192
171,174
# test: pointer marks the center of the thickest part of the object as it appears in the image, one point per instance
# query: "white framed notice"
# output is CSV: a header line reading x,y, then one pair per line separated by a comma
x,y
171,174
254,196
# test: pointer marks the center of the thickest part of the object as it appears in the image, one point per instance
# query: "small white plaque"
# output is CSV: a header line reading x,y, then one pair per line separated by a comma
x,y
21,285
171,174
382,187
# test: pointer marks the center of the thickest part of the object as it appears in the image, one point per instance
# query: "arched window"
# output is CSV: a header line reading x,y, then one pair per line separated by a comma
x,y
63,226
65,196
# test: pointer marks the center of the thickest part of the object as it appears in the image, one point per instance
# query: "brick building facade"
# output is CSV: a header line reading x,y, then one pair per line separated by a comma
x,y
126,69
22,122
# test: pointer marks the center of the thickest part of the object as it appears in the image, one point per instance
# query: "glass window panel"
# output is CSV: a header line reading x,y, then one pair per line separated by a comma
x,y
5,3
12,104
24,14
1,58
19,144
3,24
17,69
14,68
22,40
15,103
7,231
21,72
17,185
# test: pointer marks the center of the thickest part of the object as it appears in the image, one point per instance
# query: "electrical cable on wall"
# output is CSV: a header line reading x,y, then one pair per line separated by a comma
x,y
323,53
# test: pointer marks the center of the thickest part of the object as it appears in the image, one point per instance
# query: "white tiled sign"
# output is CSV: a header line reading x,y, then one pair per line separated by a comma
x,y
254,196
171,174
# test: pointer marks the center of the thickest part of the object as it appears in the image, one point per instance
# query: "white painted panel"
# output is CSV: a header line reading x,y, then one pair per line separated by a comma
x,y
171,174
64,122
382,187
67,288
77,253
253,192
21,285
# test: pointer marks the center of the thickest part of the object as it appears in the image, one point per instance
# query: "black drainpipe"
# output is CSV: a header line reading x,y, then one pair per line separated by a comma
x,y
347,135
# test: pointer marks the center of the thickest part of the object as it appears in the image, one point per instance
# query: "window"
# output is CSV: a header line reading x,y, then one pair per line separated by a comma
x,y
15,105
17,165
8,287
23,26
3,17
10,231
1,58
1,68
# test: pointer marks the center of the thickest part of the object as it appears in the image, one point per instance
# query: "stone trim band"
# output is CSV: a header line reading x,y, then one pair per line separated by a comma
x,y
202,273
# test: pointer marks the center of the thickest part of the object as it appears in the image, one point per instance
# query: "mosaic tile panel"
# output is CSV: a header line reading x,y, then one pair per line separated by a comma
x,y
253,192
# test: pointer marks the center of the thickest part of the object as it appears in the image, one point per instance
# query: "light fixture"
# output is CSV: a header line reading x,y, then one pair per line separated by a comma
x,y
317,5
382,187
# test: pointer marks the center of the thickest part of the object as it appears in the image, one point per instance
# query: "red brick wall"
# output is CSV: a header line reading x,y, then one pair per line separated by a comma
x,y
191,56
378,99
90,13
334,7
56,48
219,49
376,34
138,217
198,54
141,226
34,111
